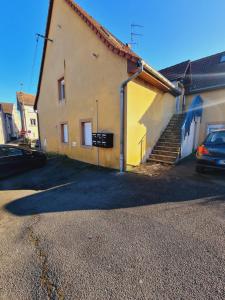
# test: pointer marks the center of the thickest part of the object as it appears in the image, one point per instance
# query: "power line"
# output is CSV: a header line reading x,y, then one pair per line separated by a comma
x,y
33,63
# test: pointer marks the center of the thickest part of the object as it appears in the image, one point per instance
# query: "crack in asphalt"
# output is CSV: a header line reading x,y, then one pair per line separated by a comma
x,y
52,290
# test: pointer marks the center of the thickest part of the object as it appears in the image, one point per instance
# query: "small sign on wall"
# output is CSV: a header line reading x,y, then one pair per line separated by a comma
x,y
102,140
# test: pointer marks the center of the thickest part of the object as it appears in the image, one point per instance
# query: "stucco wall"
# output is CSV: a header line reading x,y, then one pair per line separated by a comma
x,y
31,129
2,130
213,109
148,113
93,75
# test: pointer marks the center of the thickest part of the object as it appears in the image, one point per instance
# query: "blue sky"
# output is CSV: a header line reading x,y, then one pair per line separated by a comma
x,y
173,31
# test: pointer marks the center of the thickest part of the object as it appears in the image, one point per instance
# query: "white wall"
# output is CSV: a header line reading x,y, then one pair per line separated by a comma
x,y
190,142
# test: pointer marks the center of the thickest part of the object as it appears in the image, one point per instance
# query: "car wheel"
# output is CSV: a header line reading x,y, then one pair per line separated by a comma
x,y
200,169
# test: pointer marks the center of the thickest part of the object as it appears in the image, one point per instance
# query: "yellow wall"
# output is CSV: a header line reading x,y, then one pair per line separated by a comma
x,y
213,109
93,75
148,113
90,81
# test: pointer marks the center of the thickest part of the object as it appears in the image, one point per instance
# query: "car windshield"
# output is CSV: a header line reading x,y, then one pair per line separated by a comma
x,y
216,138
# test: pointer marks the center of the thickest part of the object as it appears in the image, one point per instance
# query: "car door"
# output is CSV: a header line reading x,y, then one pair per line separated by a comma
x,y
15,160
5,162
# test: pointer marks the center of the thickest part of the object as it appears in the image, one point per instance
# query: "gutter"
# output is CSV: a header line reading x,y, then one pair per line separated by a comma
x,y
122,115
205,89
160,77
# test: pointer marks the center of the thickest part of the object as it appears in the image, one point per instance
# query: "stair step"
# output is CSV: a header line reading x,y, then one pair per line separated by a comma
x,y
165,152
170,135
167,144
160,161
169,140
167,148
163,157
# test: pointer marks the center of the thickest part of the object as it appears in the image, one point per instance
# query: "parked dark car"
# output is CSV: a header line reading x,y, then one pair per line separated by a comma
x,y
211,154
15,159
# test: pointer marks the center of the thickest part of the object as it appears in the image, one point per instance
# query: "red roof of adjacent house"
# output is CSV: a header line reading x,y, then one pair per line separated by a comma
x,y
25,99
7,108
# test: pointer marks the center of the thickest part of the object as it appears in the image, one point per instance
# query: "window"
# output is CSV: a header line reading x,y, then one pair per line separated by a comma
x,y
3,151
213,127
216,138
86,128
61,87
13,152
222,59
64,133
33,122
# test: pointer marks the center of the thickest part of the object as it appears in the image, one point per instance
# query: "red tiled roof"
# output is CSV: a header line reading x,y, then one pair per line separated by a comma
x,y
25,99
7,108
105,36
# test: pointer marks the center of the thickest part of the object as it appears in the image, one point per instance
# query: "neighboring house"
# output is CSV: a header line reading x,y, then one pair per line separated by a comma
x,y
203,83
97,100
29,120
9,126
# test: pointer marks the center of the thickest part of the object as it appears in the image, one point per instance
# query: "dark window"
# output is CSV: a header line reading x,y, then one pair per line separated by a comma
x,y
222,59
61,88
32,122
64,133
3,151
216,138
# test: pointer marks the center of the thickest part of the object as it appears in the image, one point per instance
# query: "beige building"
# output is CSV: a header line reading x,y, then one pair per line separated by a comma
x,y
97,100
28,116
9,123
204,80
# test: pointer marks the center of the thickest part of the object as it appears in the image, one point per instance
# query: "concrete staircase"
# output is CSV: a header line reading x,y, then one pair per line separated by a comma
x,y
167,149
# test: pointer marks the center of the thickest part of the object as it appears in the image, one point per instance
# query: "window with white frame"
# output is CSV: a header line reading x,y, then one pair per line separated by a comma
x,y
61,88
86,128
64,133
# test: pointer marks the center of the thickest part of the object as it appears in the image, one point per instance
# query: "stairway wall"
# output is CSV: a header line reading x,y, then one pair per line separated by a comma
x,y
148,112
167,148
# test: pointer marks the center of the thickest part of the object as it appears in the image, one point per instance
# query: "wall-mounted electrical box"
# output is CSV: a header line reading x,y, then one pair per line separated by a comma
x,y
102,140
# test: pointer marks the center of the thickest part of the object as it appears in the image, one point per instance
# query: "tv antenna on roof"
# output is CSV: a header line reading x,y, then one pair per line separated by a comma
x,y
134,34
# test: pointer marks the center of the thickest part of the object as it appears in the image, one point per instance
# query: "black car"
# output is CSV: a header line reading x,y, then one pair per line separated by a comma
x,y
15,159
211,154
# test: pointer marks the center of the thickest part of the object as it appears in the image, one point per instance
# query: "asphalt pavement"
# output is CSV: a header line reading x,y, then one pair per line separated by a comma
x,y
75,231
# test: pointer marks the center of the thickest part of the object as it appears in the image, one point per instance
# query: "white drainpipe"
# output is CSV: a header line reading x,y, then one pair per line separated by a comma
x,y
122,117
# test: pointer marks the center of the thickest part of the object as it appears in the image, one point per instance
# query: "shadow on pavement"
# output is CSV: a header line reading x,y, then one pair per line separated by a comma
x,y
101,189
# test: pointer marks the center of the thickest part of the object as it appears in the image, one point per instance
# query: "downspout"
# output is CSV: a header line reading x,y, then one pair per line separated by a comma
x,y
39,133
122,116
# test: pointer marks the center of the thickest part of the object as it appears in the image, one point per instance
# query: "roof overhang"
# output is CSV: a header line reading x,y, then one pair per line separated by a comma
x,y
44,51
205,89
154,78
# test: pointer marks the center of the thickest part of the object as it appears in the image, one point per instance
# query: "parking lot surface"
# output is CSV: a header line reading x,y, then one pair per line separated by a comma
x,y
75,231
